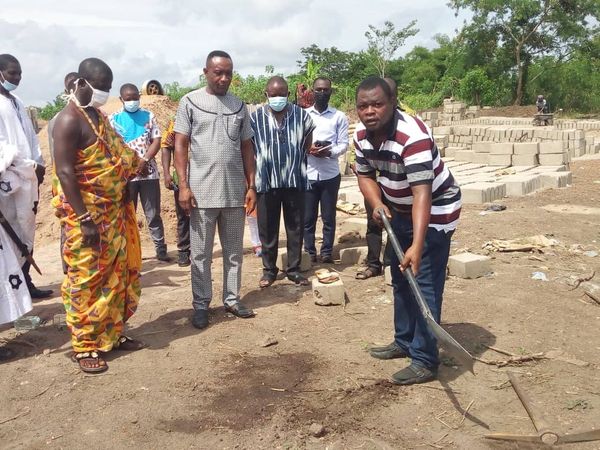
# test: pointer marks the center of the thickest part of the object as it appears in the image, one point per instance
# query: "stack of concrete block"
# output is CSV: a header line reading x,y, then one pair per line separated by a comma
x,y
501,154
431,118
453,111
472,112
525,154
483,192
555,180
554,153
521,184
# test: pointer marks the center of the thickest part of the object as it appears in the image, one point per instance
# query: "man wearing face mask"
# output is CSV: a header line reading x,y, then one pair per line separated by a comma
x,y
102,244
282,138
330,142
138,128
16,129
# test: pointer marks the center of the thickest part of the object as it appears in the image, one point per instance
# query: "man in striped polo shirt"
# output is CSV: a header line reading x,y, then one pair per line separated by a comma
x,y
400,170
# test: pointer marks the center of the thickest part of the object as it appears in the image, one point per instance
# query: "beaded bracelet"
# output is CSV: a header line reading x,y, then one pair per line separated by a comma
x,y
84,217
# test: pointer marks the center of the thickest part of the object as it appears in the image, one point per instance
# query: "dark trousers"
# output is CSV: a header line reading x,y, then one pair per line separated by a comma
x,y
411,332
148,192
25,268
374,240
269,209
183,227
325,193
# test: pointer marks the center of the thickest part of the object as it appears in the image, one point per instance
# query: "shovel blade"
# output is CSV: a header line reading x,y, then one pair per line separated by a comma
x,y
452,347
583,436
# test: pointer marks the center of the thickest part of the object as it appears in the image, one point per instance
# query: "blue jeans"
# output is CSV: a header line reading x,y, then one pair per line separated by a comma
x,y
324,192
411,332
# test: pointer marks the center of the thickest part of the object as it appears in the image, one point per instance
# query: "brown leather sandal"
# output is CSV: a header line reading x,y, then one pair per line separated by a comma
x,y
90,362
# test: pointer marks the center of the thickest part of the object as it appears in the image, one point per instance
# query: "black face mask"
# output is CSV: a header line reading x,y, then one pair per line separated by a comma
x,y
322,98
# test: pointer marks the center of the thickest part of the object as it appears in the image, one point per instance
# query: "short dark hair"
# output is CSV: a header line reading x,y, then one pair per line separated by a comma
x,y
276,80
322,79
6,59
128,87
90,67
394,86
374,82
217,54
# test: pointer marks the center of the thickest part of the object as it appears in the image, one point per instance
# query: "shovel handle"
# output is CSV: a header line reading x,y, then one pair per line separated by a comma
x,y
408,273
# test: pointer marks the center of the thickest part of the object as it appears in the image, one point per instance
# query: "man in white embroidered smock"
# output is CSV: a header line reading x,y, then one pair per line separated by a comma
x,y
21,167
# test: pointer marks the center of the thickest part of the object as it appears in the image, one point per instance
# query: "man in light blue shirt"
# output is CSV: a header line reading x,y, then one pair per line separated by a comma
x,y
330,141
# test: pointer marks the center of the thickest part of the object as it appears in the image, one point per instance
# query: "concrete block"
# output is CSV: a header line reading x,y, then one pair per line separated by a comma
x,y
442,131
464,155
526,148
441,140
354,224
553,147
469,265
387,275
525,160
554,159
481,192
450,152
502,148
480,158
519,185
499,159
556,179
328,294
353,255
482,147
305,263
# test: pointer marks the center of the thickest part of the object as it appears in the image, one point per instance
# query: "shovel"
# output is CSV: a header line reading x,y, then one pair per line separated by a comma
x,y
453,348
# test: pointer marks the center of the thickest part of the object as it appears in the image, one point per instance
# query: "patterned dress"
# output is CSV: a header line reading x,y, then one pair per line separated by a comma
x,y
102,287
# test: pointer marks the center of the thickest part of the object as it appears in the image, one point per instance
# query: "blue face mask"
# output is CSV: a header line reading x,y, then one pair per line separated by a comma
x,y
131,105
7,85
277,103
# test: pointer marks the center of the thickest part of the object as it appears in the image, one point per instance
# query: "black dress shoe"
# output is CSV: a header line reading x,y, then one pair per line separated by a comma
x,y
327,259
240,310
40,293
390,351
183,259
414,374
200,318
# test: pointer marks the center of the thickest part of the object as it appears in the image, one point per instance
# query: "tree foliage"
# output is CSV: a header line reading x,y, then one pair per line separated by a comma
x,y
383,43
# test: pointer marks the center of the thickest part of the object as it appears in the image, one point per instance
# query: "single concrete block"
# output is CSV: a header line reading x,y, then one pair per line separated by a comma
x,y
525,160
481,158
556,179
464,155
353,255
481,192
501,148
450,152
469,265
441,140
354,224
387,274
526,148
442,131
482,147
554,159
305,263
519,185
498,159
553,147
328,294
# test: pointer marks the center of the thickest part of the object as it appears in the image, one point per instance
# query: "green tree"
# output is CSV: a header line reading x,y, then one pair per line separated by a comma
x,y
530,28
48,111
384,43
476,86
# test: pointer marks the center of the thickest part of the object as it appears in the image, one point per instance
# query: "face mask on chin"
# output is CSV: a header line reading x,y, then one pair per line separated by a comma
x,y
277,103
7,85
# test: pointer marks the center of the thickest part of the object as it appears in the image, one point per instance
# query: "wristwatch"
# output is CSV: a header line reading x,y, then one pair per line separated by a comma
x,y
252,187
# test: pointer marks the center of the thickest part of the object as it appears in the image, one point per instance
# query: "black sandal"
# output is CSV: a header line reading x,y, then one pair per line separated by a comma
x,y
368,273
127,344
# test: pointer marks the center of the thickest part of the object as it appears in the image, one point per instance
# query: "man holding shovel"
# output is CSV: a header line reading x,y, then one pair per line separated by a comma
x,y
400,172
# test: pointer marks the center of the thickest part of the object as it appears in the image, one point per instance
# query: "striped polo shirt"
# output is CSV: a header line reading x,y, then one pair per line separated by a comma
x,y
279,148
410,157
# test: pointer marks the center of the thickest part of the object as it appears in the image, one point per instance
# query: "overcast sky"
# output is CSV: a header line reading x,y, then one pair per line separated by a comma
x,y
168,39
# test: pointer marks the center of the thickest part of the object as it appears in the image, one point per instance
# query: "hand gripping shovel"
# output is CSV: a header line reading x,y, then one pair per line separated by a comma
x,y
448,342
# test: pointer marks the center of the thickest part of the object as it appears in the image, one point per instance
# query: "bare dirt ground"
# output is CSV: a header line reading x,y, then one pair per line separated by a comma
x,y
220,388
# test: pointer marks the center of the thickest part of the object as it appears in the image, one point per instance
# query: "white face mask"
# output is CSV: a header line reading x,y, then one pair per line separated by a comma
x,y
98,99
131,105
